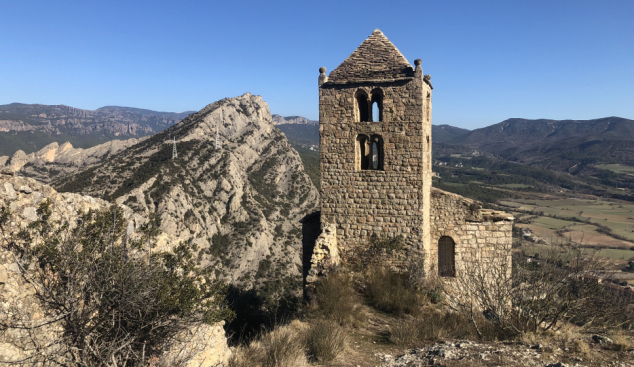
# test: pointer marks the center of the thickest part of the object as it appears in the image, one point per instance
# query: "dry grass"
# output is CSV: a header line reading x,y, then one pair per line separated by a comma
x,y
326,340
247,356
430,325
581,347
621,342
335,299
393,292
282,347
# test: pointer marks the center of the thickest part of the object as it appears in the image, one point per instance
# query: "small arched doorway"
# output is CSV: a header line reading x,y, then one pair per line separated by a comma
x,y
446,257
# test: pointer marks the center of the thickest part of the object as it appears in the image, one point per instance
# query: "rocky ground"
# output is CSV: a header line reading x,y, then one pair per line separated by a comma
x,y
468,353
370,346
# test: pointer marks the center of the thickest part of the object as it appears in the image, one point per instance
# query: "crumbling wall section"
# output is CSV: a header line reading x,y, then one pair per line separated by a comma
x,y
480,235
325,254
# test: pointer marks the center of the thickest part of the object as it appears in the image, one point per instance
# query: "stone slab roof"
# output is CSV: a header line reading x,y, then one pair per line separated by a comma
x,y
376,59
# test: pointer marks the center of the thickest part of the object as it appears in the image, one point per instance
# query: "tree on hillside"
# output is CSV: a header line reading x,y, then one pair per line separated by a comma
x,y
102,299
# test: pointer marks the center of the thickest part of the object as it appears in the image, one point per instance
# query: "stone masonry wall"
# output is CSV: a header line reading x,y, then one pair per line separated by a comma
x,y
479,234
393,201
398,199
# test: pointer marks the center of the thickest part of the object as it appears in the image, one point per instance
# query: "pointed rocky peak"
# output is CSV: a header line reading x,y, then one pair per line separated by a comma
x,y
375,59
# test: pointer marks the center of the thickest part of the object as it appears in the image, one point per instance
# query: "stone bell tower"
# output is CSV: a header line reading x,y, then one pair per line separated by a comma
x,y
375,149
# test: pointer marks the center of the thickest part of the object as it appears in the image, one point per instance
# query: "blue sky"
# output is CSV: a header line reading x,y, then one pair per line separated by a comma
x,y
489,60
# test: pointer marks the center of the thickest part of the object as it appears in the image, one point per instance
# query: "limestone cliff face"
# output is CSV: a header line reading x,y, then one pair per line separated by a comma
x,y
241,202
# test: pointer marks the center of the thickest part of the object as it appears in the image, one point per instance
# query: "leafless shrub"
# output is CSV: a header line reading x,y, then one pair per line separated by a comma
x,y
336,299
100,304
536,294
326,340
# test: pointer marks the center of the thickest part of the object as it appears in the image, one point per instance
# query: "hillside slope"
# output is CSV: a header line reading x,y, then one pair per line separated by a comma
x,y
241,203
555,144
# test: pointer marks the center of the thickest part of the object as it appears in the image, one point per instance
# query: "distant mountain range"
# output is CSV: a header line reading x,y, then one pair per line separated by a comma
x,y
294,120
554,144
309,133
30,127
562,145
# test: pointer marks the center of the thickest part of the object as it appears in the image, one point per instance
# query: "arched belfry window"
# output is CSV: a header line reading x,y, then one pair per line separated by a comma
x,y
362,110
376,158
377,105
369,152
446,257
362,153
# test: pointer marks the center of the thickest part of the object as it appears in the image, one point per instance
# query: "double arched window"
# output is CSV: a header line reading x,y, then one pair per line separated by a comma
x,y
446,257
369,152
369,108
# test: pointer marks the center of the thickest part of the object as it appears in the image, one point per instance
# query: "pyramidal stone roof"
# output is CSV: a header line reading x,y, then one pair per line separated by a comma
x,y
376,59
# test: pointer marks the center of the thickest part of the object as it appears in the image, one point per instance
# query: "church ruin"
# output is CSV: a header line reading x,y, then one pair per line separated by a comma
x,y
376,170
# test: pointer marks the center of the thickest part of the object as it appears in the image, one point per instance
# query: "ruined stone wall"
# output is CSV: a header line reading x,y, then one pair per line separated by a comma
x,y
480,235
391,201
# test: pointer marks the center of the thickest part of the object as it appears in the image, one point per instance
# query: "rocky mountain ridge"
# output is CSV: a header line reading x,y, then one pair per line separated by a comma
x,y
240,203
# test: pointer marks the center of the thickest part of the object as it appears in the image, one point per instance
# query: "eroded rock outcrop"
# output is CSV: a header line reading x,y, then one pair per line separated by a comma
x,y
54,160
